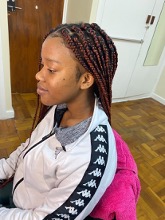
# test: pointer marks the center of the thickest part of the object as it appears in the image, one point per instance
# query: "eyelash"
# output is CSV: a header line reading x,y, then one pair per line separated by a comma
x,y
50,70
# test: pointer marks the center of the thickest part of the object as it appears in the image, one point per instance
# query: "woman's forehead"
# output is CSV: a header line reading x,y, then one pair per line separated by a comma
x,y
54,50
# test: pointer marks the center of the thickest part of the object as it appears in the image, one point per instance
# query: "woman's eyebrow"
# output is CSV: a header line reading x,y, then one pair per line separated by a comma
x,y
52,60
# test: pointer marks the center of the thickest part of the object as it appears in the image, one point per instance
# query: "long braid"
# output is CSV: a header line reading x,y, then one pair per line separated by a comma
x,y
96,52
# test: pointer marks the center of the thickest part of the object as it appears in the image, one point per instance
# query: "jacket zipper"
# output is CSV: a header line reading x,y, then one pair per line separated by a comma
x,y
43,139
16,185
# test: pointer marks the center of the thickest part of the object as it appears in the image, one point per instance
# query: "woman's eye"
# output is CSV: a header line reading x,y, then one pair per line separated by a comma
x,y
51,71
46,67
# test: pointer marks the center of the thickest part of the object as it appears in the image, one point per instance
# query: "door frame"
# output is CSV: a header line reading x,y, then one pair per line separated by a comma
x,y
6,109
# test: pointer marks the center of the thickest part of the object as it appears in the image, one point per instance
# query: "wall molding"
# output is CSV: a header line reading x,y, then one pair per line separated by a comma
x,y
7,114
158,98
131,98
145,96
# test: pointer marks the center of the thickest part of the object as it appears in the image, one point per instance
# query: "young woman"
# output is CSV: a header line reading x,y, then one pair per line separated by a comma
x,y
70,159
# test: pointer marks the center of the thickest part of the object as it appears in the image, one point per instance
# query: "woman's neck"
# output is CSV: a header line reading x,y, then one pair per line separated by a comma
x,y
77,112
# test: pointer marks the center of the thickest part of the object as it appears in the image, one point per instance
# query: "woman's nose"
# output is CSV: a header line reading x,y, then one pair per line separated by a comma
x,y
40,76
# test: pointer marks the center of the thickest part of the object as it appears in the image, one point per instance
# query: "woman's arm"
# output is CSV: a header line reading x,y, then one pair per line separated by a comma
x,y
8,166
72,197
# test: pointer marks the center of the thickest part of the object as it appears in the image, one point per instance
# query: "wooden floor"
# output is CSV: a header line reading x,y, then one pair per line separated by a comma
x,y
141,123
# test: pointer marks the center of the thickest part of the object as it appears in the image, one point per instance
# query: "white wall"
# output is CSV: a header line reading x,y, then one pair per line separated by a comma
x,y
77,11
80,11
159,90
156,55
6,110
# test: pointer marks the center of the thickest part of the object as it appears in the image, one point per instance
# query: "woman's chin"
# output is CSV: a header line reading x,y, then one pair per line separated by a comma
x,y
46,102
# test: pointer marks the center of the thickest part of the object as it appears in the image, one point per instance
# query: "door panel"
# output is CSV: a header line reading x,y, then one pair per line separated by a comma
x,y
125,22
27,28
144,77
126,19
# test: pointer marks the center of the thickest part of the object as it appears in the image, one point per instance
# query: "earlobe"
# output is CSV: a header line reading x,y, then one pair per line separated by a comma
x,y
87,80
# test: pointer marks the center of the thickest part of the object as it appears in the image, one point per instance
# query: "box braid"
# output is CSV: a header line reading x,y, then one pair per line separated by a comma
x,y
96,52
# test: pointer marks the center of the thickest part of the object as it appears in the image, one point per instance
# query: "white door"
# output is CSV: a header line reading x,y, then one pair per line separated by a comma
x,y
144,77
125,22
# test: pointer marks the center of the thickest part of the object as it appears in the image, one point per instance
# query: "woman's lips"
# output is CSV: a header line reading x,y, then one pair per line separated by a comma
x,y
41,90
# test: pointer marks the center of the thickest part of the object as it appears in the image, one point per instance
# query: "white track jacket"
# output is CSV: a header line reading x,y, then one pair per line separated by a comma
x,y
53,183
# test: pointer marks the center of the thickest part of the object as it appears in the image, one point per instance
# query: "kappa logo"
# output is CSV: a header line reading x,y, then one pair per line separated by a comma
x,y
78,202
63,216
100,161
101,149
91,183
100,138
72,210
100,129
85,193
96,172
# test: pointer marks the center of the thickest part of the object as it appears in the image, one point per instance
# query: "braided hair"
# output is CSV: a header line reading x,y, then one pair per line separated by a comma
x,y
96,52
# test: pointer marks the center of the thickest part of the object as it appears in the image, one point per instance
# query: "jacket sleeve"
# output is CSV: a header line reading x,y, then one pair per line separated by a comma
x,y
60,198
8,166
53,200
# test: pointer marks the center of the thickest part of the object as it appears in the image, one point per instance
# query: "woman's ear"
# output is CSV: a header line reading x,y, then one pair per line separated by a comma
x,y
86,80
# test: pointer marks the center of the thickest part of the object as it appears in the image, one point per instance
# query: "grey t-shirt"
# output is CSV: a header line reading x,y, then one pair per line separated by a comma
x,y
69,134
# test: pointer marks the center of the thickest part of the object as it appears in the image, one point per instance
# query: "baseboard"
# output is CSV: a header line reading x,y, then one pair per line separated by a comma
x,y
7,115
131,98
153,96
158,98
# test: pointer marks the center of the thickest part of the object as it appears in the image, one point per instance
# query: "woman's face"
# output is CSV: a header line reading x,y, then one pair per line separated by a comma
x,y
57,82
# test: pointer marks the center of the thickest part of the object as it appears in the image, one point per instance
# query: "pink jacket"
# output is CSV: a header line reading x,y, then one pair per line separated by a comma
x,y
120,198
